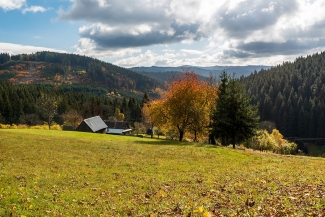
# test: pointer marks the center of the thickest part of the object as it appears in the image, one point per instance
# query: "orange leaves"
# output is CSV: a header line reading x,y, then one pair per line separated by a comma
x,y
185,106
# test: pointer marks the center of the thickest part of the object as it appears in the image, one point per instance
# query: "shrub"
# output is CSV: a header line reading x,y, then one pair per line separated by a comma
x,y
13,126
38,127
274,142
56,127
4,126
22,126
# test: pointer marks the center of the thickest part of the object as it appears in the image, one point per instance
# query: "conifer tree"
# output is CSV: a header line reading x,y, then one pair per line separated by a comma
x,y
233,118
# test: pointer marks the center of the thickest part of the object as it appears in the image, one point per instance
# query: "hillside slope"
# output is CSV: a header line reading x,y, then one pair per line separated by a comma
x,y
58,68
293,96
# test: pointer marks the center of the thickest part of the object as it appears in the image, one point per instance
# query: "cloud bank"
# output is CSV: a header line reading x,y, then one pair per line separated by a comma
x,y
8,5
235,30
18,49
198,31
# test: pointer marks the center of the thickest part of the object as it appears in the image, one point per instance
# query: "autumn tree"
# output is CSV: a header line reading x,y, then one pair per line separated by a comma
x,y
118,115
186,105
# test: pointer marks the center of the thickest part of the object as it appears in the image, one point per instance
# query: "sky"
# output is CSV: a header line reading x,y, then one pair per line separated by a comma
x,y
166,32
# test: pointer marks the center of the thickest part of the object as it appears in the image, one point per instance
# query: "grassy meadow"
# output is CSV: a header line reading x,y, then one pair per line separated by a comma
x,y
58,173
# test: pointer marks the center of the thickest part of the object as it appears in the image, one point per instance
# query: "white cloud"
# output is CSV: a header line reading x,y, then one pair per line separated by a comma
x,y
197,52
135,23
34,9
8,5
88,47
18,48
150,58
146,59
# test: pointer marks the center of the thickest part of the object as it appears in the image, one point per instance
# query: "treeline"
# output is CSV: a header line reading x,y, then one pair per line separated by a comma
x,y
4,57
100,73
20,104
292,95
162,77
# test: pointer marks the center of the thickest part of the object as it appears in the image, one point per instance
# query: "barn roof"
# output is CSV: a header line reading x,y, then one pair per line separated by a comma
x,y
95,123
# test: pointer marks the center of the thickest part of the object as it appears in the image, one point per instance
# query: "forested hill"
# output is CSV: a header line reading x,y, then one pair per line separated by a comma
x,y
59,68
292,95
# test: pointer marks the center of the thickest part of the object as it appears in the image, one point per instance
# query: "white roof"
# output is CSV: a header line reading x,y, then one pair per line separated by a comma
x,y
117,131
114,131
95,123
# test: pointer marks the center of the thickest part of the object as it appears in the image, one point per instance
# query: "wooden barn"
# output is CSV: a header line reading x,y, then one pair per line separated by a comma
x,y
93,125
118,127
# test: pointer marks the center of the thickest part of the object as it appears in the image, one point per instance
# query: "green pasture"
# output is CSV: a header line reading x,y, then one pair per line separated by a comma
x,y
58,173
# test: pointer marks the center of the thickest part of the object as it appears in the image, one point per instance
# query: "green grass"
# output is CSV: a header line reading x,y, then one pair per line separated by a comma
x,y
58,173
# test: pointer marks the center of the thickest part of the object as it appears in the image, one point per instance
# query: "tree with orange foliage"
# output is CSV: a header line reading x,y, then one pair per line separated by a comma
x,y
185,106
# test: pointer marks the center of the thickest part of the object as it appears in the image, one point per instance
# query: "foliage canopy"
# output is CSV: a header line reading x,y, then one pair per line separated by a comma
x,y
185,106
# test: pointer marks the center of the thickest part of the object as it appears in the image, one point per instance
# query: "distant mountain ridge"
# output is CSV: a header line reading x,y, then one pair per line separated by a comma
x,y
205,71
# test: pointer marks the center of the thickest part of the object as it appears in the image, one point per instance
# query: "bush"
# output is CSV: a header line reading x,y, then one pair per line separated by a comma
x,y
40,127
13,126
22,126
274,142
56,127
4,126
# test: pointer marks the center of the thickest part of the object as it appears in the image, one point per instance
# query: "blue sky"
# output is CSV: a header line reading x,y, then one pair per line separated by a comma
x,y
166,32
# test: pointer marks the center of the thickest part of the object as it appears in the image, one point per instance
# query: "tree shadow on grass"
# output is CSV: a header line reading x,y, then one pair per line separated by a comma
x,y
206,145
174,143
164,142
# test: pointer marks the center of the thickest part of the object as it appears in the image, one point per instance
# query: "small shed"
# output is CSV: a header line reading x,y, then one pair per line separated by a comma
x,y
118,127
93,124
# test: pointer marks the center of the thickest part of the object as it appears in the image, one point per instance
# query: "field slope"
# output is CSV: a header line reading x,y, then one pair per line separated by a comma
x,y
55,173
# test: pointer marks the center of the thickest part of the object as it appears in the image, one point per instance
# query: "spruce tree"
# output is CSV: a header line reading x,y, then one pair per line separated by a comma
x,y
233,118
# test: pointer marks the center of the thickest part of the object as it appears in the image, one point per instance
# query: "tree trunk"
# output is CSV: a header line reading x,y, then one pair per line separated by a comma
x,y
181,134
233,142
211,139
151,130
195,140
